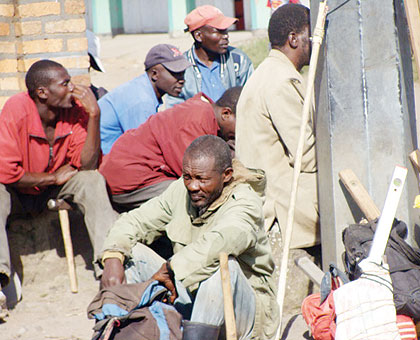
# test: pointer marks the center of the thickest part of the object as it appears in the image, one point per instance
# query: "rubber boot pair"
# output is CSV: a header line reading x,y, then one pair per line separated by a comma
x,y
199,331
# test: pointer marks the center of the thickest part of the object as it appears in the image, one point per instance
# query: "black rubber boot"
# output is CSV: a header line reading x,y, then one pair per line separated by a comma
x,y
199,331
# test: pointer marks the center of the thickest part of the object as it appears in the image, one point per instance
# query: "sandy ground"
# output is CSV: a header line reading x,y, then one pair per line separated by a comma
x,y
48,309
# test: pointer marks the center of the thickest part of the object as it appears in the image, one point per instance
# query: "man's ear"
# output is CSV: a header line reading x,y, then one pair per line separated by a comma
x,y
41,92
154,74
226,113
293,40
198,35
228,173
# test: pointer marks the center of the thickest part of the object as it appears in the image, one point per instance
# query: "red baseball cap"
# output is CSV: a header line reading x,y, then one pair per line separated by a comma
x,y
208,15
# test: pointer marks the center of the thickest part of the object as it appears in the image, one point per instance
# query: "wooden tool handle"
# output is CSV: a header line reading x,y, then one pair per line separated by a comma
x,y
68,247
359,194
415,159
316,44
227,298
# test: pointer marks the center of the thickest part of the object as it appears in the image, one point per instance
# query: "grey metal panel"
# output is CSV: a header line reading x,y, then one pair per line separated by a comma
x,y
364,118
145,16
226,6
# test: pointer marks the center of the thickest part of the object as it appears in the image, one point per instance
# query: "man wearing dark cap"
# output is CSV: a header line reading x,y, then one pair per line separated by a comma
x,y
216,66
130,104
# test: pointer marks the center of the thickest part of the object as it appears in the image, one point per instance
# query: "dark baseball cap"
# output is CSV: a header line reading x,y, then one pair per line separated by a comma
x,y
167,55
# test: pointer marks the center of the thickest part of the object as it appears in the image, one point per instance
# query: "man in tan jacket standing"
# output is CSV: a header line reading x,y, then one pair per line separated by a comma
x,y
268,125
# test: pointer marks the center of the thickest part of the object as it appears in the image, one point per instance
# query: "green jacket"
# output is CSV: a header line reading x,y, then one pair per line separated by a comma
x,y
234,224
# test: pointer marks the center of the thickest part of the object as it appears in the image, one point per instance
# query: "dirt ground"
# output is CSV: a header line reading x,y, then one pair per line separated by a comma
x,y
48,309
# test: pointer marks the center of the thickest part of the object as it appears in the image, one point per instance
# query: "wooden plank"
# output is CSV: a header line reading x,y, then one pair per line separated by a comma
x,y
413,19
359,194
310,269
414,158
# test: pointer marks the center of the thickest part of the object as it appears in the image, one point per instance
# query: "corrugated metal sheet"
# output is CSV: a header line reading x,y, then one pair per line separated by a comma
x,y
145,16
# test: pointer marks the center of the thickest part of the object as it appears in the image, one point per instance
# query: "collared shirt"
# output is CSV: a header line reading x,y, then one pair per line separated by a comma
x,y
235,69
153,152
211,83
24,146
126,107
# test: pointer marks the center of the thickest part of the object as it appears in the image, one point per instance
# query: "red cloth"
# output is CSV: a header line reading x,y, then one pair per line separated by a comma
x,y
320,318
23,143
406,327
153,152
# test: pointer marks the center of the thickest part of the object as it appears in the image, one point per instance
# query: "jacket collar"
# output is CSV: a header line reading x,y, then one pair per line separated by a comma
x,y
254,177
295,77
35,128
34,120
192,58
277,54
152,94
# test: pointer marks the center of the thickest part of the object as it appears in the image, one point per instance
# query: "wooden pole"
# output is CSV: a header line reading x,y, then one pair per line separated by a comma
x,y
316,44
227,298
68,247
413,18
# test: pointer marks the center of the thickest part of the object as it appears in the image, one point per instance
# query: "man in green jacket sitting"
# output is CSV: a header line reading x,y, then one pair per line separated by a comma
x,y
215,207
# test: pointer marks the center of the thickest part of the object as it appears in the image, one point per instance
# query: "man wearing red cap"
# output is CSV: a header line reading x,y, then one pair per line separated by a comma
x,y
216,66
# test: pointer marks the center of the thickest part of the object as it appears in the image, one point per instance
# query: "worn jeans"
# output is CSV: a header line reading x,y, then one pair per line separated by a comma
x,y
86,189
207,304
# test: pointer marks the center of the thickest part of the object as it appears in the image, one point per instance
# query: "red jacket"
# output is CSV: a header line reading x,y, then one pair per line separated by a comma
x,y
24,146
153,152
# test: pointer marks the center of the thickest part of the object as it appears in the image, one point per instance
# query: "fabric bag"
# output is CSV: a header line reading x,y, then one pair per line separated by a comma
x,y
134,311
403,261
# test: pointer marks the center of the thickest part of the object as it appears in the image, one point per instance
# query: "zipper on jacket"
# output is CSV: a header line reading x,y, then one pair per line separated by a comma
x,y
51,150
50,157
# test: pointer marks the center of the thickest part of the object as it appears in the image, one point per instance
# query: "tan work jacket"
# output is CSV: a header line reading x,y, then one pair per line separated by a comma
x,y
268,123
233,224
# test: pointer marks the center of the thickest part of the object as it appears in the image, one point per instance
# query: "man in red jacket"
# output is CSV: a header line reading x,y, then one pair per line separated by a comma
x,y
48,135
144,161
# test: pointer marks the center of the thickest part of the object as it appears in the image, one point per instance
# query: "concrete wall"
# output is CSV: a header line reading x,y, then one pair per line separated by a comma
x,y
258,15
